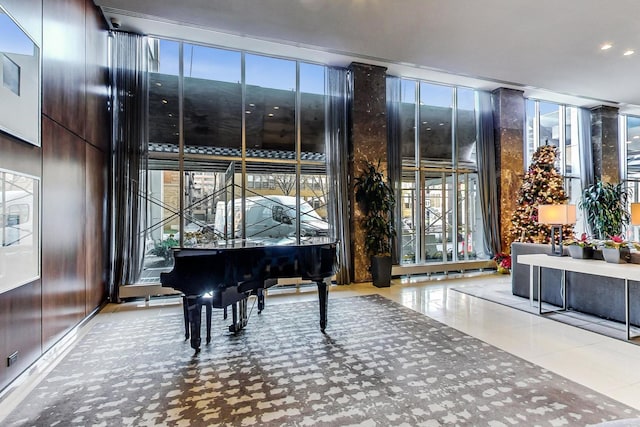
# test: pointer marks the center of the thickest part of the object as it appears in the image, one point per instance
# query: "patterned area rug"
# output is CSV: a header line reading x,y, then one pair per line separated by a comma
x,y
380,364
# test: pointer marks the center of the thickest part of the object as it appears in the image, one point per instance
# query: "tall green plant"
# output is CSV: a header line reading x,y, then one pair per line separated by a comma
x,y
377,200
605,207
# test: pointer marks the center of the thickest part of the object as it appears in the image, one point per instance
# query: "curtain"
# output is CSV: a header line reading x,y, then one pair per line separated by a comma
x,y
486,157
394,166
337,131
584,141
128,157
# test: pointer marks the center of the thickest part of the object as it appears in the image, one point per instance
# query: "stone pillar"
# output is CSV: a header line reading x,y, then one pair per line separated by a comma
x,y
368,142
605,144
508,124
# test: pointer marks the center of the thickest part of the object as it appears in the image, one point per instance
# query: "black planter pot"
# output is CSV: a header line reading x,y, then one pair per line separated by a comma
x,y
381,271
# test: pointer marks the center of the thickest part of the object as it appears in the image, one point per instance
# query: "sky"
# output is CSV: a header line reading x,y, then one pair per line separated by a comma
x,y
12,38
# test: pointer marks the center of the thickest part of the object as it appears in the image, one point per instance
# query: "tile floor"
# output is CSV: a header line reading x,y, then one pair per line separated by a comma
x,y
604,364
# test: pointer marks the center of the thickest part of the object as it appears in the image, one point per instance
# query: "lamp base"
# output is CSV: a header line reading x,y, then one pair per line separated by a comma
x,y
556,249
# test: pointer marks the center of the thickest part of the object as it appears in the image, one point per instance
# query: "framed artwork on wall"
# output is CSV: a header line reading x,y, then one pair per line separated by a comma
x,y
19,81
19,229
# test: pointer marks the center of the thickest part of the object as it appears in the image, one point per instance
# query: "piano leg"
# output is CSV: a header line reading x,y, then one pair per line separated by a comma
x,y
209,309
234,318
260,295
323,296
195,320
185,308
239,314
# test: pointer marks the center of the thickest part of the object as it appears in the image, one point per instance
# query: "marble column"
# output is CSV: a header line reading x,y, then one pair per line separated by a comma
x,y
368,142
605,144
508,123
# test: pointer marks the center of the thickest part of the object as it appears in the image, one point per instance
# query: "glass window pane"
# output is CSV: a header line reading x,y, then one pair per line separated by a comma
x,y
434,198
407,112
408,244
531,131
572,148
312,119
633,147
466,127
408,121
270,105
435,123
212,99
549,124
163,94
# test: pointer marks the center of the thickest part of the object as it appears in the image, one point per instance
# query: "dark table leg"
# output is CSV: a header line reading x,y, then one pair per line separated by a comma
x,y
323,296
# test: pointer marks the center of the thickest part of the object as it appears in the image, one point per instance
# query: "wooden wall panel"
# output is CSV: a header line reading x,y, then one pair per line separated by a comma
x,y
19,156
98,127
95,228
72,166
20,329
63,63
63,219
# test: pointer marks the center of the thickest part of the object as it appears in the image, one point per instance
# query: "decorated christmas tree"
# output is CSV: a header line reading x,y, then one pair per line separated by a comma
x,y
542,185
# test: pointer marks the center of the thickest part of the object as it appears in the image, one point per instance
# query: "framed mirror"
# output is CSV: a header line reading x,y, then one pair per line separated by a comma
x,y
19,81
19,229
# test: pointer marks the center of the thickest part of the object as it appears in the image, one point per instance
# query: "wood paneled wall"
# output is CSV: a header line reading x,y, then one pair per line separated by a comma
x,y
72,165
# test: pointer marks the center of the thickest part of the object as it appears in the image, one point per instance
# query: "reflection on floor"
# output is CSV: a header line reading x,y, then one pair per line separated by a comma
x,y
497,292
604,364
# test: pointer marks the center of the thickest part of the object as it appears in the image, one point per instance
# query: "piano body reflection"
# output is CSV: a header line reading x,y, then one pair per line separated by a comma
x,y
231,272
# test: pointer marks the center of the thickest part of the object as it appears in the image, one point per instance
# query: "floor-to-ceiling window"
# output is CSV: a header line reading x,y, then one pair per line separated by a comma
x,y
630,154
438,191
557,125
236,149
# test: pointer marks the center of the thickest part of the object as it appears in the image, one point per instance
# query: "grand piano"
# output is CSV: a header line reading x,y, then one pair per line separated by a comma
x,y
231,271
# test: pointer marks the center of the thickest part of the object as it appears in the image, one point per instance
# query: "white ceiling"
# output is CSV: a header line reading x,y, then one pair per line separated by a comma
x,y
548,48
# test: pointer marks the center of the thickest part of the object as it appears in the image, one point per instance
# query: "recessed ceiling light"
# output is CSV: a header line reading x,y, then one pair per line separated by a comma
x,y
270,114
276,108
606,46
164,101
628,52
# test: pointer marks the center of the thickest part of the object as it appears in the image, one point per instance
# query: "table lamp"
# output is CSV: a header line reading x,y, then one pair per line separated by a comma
x,y
556,216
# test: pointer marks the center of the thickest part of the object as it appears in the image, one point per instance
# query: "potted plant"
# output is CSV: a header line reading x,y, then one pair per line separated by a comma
x,y
164,249
616,250
605,207
581,248
503,263
377,200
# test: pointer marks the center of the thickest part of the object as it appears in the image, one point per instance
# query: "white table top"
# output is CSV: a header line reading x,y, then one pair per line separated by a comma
x,y
587,266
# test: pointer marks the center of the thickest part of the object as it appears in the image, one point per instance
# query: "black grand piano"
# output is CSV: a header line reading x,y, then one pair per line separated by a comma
x,y
230,272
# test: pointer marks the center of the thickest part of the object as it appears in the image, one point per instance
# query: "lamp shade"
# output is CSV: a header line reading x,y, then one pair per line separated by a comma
x,y
635,213
558,214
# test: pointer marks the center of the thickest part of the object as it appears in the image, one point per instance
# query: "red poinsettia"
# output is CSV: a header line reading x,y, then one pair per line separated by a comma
x,y
503,260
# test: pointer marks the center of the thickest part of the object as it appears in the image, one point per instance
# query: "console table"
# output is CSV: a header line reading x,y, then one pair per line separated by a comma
x,y
598,268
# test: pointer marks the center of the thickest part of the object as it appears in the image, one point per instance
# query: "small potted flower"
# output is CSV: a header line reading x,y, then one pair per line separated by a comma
x,y
580,248
503,263
616,250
